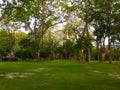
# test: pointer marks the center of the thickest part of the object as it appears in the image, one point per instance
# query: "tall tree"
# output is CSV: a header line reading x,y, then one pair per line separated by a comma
x,y
37,16
105,23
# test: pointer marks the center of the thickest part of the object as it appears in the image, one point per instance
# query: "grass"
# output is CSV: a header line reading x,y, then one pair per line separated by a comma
x,y
60,75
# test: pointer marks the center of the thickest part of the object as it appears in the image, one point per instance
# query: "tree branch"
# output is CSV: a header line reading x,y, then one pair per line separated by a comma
x,y
56,24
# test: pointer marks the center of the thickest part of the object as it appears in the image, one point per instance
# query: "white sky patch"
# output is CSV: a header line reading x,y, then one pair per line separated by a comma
x,y
61,26
69,4
106,41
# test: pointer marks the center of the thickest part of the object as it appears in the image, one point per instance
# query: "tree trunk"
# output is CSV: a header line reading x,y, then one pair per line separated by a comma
x,y
82,55
11,53
88,55
102,54
103,50
109,50
38,54
88,46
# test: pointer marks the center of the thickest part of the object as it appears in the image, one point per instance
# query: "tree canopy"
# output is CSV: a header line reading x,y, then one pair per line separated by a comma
x,y
87,26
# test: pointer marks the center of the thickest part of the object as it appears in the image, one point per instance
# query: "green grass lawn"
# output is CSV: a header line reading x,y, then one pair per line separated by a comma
x,y
59,75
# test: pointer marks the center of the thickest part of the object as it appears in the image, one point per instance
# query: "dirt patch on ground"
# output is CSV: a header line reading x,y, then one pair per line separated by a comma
x,y
13,75
96,71
48,74
115,75
39,69
109,74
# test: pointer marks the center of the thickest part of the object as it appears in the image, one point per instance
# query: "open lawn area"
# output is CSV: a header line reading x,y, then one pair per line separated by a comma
x,y
59,75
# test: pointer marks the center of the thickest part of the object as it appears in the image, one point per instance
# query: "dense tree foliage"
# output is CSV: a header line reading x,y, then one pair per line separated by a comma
x,y
86,27
5,43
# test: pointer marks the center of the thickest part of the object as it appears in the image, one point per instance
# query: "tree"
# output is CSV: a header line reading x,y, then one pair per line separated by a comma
x,y
104,14
68,49
7,7
19,35
37,16
27,49
80,11
87,42
40,16
8,23
5,43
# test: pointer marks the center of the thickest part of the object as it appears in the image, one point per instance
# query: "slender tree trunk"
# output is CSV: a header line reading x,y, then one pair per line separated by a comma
x,y
38,54
11,53
85,31
82,55
83,35
98,53
102,54
109,19
103,50
98,49
88,55
88,46
109,50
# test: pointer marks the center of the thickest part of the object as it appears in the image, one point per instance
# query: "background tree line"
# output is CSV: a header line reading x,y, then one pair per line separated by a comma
x,y
88,24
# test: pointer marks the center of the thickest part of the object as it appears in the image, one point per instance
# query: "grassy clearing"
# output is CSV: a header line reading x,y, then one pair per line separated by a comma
x,y
59,75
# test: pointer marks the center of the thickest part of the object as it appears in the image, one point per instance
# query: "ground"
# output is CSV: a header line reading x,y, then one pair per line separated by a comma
x,y
59,75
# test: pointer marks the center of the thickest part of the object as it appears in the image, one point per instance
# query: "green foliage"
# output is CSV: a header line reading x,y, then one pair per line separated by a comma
x,y
28,48
38,16
5,42
18,37
116,54
86,41
46,49
67,49
105,22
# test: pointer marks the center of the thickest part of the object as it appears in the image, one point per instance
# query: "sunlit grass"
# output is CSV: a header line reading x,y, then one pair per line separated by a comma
x,y
60,75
